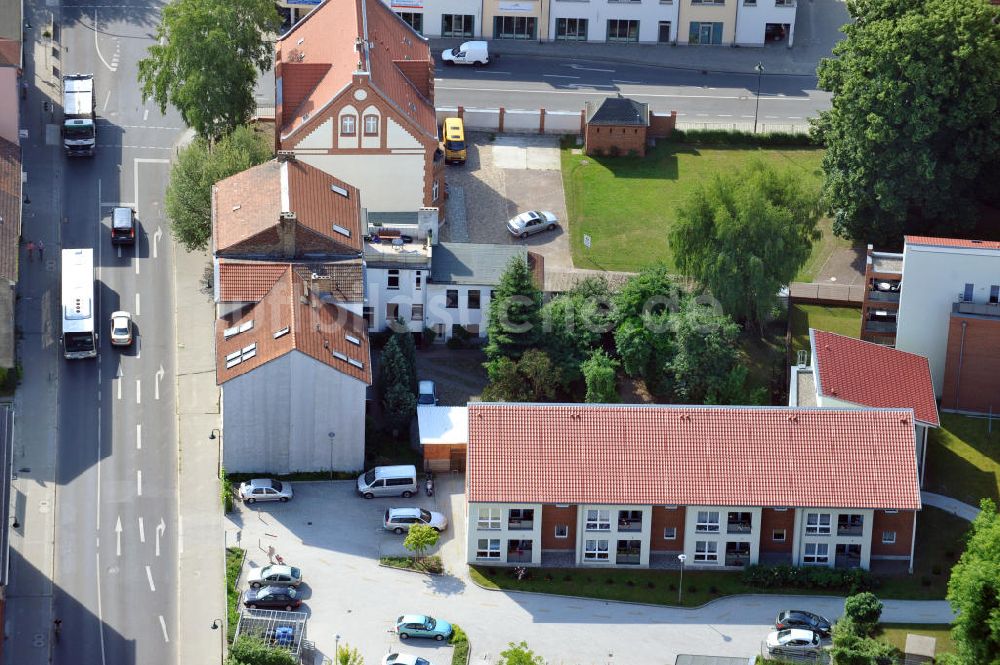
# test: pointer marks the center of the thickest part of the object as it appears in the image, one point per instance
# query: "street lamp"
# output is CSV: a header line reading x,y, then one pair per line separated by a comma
x,y
331,435
216,625
759,68
680,588
336,648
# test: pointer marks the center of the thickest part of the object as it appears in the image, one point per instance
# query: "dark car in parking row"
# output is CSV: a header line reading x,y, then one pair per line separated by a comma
x,y
804,620
279,597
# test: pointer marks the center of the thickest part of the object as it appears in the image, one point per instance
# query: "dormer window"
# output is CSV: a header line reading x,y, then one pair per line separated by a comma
x,y
371,125
348,125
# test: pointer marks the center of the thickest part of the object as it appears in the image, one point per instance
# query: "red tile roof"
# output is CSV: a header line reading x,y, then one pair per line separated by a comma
x,y
248,281
873,375
247,210
952,242
692,455
10,209
290,317
319,59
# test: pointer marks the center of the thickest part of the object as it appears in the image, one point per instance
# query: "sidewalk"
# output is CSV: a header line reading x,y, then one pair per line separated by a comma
x,y
817,29
953,506
201,565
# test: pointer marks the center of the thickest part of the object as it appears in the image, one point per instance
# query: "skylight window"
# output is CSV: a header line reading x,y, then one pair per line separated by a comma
x,y
249,352
229,332
246,326
281,333
339,190
341,230
339,356
356,363
352,339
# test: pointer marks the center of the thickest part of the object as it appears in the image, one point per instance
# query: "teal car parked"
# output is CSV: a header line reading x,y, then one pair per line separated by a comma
x,y
419,625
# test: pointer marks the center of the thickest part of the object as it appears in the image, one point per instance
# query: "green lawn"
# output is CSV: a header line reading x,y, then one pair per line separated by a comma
x,y
841,320
963,459
628,204
234,562
895,634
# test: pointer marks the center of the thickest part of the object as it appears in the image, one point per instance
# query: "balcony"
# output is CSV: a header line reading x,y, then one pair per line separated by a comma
x,y
628,552
882,296
629,521
991,309
739,527
884,327
520,524
519,551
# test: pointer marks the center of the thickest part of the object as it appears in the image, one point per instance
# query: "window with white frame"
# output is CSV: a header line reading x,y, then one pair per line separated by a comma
x,y
706,551
708,521
416,312
816,553
818,524
595,550
488,548
669,533
489,518
348,125
371,125
888,537
393,279
598,520
562,531
778,535
435,190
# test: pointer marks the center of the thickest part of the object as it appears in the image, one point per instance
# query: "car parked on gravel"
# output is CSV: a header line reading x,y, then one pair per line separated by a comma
x,y
399,520
265,489
274,575
421,625
532,222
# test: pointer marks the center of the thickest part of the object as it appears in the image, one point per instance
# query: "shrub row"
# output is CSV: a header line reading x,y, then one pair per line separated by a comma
x,y
851,580
732,137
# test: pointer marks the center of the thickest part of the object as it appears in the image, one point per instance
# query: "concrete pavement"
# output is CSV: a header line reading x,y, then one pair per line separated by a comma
x,y
948,504
201,550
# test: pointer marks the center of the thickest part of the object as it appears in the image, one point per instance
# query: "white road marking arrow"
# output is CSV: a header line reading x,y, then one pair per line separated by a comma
x,y
159,377
142,531
160,528
589,69
118,536
156,240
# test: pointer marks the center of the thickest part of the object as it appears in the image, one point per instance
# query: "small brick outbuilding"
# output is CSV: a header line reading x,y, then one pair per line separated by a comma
x,y
619,125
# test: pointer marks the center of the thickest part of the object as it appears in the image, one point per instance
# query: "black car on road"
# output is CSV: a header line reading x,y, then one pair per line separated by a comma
x,y
803,620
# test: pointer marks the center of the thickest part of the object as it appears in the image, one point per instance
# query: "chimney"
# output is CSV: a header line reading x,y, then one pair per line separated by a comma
x,y
286,234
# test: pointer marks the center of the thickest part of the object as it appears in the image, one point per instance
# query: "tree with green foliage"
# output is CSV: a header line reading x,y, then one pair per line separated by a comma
x,y
574,324
533,378
420,539
707,366
199,166
204,61
347,655
743,235
912,136
397,380
851,646
974,592
252,650
600,371
864,611
514,318
520,654
408,347
400,406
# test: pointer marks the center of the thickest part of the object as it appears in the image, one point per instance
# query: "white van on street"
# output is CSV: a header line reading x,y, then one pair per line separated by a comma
x,y
388,481
467,53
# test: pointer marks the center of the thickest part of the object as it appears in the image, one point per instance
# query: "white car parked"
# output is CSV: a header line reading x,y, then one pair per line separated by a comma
x,y
399,520
794,641
532,222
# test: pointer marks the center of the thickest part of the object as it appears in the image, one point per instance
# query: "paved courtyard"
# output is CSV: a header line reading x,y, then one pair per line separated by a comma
x,y
336,537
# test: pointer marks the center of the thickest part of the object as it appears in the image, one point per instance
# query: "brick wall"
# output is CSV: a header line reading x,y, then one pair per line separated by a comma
x,y
902,524
771,520
553,515
602,138
437,457
663,518
661,126
978,387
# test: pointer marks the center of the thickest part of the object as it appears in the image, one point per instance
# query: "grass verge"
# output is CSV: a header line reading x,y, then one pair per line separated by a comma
x,y
460,646
234,564
627,205
841,320
963,459
428,564
895,634
940,541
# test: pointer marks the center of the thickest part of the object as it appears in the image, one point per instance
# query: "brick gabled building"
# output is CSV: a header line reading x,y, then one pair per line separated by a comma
x,y
637,485
355,98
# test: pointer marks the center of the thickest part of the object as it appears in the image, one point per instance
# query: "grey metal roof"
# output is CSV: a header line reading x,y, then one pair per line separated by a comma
x,y
618,111
472,263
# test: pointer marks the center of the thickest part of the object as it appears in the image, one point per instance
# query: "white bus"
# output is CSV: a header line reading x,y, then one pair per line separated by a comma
x,y
79,336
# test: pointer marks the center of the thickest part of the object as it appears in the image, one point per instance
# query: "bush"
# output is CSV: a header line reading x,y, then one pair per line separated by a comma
x,y
733,137
252,650
227,492
454,343
460,643
850,580
864,610
614,151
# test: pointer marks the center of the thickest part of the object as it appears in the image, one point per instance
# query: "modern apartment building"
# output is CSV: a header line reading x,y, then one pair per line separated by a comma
x,y
637,485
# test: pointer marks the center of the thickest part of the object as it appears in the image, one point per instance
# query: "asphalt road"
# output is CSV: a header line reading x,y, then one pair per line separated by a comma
x,y
525,82
117,531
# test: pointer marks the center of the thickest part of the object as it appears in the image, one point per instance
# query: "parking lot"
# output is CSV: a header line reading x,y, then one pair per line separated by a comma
x,y
500,179
336,538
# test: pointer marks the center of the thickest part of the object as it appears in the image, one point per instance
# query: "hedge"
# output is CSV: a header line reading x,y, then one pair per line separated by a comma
x,y
851,580
733,137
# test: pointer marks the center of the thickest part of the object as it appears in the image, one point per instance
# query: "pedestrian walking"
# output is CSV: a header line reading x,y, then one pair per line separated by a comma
x,y
31,250
41,250
24,90
270,553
